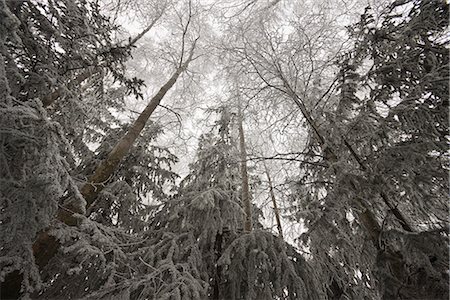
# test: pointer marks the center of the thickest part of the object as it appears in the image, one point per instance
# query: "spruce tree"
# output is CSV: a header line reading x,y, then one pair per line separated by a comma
x,y
238,264
394,127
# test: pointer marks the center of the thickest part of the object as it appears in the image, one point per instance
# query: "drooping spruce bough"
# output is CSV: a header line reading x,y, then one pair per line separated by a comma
x,y
376,221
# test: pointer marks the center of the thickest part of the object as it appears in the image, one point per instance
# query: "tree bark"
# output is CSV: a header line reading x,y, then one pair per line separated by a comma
x,y
46,246
104,171
216,285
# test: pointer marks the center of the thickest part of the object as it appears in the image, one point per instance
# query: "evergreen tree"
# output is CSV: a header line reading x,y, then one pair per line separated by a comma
x,y
34,172
47,48
139,184
370,189
253,265
57,45
389,187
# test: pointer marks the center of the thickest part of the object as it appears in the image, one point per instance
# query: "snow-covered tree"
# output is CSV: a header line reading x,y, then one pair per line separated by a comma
x,y
143,180
385,194
34,172
252,265
354,123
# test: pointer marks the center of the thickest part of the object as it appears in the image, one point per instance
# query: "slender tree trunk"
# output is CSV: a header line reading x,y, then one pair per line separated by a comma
x,y
245,190
143,32
216,285
274,203
45,246
331,156
107,167
366,217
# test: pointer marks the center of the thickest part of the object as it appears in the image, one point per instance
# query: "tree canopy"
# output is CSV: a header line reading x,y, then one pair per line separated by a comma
x,y
224,149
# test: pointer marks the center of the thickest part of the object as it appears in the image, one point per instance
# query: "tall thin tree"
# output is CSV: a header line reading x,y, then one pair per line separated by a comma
x,y
274,202
244,174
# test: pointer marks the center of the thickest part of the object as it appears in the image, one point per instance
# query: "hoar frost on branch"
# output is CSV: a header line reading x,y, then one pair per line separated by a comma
x,y
367,181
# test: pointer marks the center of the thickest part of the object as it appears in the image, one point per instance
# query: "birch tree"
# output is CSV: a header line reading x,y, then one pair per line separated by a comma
x,y
354,123
46,246
105,169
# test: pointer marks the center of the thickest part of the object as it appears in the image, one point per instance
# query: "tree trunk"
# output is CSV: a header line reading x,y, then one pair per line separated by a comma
x,y
394,261
216,285
331,156
104,171
274,203
243,157
46,246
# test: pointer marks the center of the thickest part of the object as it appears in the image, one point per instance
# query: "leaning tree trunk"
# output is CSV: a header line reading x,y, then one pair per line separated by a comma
x,y
331,156
46,246
106,168
394,260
